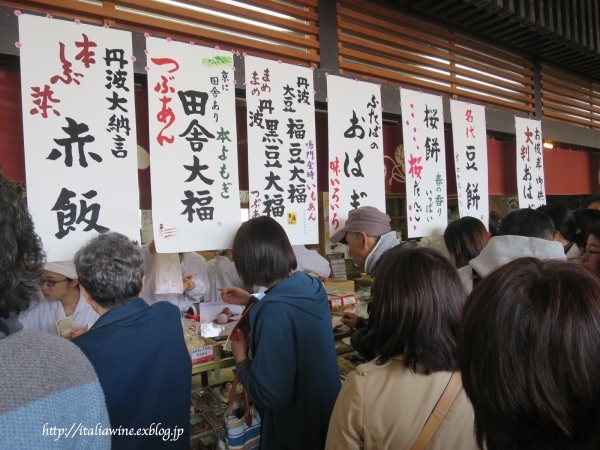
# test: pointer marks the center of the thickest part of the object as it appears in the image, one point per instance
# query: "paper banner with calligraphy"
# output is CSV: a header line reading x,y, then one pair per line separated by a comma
x,y
470,159
79,132
530,163
282,154
356,169
425,162
193,146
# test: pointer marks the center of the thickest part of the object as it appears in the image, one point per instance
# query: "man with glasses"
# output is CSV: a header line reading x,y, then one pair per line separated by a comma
x,y
63,310
591,255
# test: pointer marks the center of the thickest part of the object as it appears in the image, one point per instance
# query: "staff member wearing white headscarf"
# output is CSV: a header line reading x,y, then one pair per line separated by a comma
x,y
221,273
62,298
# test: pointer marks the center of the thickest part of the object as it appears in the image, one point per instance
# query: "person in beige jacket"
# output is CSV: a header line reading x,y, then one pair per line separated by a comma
x,y
385,403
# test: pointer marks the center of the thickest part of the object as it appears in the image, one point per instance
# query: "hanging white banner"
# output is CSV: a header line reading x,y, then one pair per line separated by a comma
x,y
79,132
530,163
425,162
470,159
282,152
356,169
193,147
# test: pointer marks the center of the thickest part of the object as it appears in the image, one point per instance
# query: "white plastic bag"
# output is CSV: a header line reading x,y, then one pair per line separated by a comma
x,y
166,276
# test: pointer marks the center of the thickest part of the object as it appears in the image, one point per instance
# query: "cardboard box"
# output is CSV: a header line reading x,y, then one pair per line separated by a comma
x,y
206,352
339,285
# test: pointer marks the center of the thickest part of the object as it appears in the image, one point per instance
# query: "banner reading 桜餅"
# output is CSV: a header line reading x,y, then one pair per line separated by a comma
x,y
356,169
79,132
282,158
425,162
470,159
193,146
530,163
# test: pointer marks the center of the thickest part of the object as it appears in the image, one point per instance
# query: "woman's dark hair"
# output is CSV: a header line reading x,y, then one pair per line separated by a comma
x,y
594,230
418,298
465,238
585,219
563,219
594,198
529,355
527,223
22,256
262,252
494,222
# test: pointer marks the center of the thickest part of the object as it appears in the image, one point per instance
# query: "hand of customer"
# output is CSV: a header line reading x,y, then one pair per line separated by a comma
x,y
234,295
188,283
76,331
350,319
239,348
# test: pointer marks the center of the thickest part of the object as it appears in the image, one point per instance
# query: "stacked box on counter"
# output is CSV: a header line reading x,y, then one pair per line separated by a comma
x,y
341,295
207,441
204,350
205,398
207,411
340,301
224,389
202,428
201,349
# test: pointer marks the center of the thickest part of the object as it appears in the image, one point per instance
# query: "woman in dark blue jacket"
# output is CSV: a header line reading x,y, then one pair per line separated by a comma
x,y
290,368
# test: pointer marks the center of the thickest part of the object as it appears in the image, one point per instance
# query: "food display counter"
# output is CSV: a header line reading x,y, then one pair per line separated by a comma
x,y
226,359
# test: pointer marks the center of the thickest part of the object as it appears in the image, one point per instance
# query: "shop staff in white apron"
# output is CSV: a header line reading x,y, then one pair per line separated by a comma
x,y
60,299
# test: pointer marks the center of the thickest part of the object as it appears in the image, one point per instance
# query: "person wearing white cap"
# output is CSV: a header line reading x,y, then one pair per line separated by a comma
x,y
62,299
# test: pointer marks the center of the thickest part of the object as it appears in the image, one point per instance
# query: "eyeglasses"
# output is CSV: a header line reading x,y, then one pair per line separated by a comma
x,y
589,253
50,283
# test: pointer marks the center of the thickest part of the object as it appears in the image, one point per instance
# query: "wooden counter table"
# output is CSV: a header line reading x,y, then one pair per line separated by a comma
x,y
227,361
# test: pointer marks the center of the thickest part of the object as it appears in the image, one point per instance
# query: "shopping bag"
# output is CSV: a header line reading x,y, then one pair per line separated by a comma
x,y
241,423
166,274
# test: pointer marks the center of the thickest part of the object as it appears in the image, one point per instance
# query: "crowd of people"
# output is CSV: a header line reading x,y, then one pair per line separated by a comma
x,y
517,317
496,347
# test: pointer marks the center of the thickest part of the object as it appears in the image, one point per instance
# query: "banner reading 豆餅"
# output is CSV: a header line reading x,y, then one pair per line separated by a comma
x,y
470,159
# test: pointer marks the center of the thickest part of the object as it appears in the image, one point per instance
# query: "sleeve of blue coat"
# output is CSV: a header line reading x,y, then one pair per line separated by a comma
x,y
270,376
